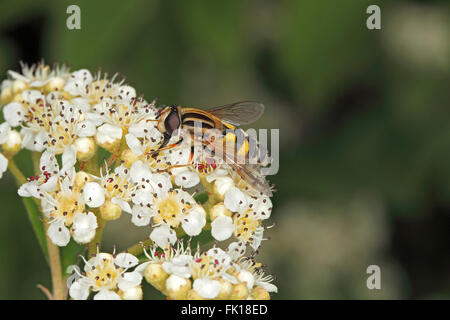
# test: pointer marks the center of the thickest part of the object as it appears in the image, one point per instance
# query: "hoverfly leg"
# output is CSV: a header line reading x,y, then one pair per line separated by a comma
x,y
190,162
163,147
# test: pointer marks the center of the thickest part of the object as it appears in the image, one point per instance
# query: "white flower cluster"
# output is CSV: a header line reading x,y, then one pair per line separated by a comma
x,y
176,272
66,117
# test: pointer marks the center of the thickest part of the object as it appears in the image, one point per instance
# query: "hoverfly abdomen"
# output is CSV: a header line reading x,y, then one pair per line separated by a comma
x,y
245,148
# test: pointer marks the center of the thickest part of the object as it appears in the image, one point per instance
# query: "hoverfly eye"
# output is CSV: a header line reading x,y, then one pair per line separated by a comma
x,y
172,122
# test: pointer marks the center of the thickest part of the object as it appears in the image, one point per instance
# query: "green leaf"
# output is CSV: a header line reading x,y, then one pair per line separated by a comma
x,y
36,223
201,197
70,253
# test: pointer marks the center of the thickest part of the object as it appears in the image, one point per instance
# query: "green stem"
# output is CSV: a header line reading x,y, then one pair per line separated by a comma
x,y
137,249
31,209
59,292
92,247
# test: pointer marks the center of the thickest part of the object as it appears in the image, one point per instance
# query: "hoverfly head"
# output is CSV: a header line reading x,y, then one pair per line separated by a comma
x,y
169,120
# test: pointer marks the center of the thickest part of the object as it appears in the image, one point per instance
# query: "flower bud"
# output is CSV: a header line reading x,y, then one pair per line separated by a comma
x,y
226,290
177,287
128,158
218,210
110,211
6,95
17,98
221,186
85,148
132,293
246,277
13,143
109,137
55,84
81,178
19,85
156,276
259,293
239,292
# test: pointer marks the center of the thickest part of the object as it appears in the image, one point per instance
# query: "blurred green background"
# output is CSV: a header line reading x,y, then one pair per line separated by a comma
x,y
363,115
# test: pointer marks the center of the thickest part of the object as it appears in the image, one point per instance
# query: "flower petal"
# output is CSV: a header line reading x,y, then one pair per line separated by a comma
x,y
134,144
207,288
126,260
122,204
58,233
186,178
106,295
130,280
108,133
222,228
84,226
14,113
79,290
163,236
140,216
235,200
85,128
194,221
93,194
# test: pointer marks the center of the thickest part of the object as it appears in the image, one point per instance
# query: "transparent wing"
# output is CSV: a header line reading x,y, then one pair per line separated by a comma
x,y
238,113
248,172
251,174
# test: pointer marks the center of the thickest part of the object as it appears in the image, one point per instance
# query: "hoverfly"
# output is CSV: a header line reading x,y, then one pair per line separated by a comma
x,y
226,120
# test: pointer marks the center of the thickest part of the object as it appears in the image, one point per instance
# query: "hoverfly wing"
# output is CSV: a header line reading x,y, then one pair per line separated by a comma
x,y
239,113
252,176
248,172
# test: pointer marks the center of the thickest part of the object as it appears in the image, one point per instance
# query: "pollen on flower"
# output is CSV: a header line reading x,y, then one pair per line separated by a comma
x,y
66,206
104,273
246,226
169,209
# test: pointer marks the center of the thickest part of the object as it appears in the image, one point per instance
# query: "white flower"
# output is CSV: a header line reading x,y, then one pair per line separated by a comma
x,y
185,178
207,288
207,269
252,274
236,250
142,139
114,118
5,129
77,82
171,207
50,175
246,223
107,274
84,226
108,134
235,200
39,75
222,228
14,113
93,194
163,236
58,233
52,123
179,265
62,202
